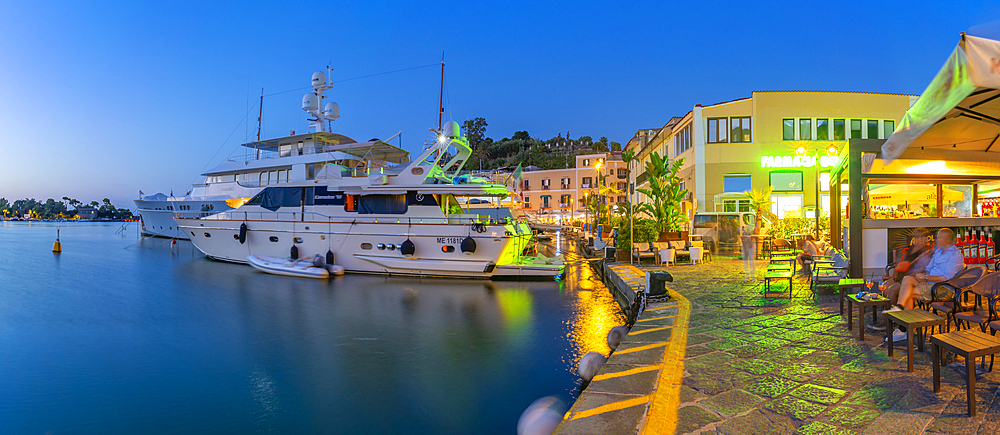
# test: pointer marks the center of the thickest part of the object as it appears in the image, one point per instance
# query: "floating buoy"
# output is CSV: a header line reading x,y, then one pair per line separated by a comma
x,y
173,242
468,246
541,417
335,269
590,364
407,248
329,257
295,252
57,247
243,233
616,335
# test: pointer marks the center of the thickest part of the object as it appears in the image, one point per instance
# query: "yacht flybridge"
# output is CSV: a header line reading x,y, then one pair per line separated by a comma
x,y
401,219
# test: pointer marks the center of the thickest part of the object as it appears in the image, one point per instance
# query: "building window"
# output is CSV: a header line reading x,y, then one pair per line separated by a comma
x,y
545,201
526,184
824,181
717,130
622,173
564,200
682,140
887,128
586,162
872,129
786,205
545,183
740,130
787,129
822,129
621,185
839,132
735,205
805,129
855,129
585,183
786,181
565,183
736,183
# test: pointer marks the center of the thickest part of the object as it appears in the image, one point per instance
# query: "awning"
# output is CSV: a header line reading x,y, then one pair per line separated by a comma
x,y
960,109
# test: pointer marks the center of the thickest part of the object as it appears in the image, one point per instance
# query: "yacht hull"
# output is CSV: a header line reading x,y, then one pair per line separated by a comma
x,y
157,217
358,247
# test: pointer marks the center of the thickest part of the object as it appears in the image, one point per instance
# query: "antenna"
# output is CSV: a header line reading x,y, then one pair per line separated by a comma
x,y
441,97
259,116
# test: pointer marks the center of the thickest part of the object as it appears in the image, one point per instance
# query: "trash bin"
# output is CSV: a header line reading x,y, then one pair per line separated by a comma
x,y
656,282
609,253
590,241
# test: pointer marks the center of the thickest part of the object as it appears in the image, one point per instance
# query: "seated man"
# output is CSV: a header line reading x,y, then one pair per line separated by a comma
x,y
945,263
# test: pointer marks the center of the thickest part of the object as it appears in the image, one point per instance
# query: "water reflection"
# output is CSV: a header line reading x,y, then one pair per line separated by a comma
x,y
119,326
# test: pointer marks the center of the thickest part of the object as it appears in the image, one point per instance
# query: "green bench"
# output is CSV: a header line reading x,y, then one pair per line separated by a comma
x,y
772,275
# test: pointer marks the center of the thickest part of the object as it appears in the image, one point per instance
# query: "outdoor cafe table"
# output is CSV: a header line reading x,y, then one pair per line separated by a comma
x,y
862,304
970,344
913,320
846,283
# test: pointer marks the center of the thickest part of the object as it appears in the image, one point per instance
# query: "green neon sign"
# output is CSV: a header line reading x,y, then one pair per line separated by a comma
x,y
797,161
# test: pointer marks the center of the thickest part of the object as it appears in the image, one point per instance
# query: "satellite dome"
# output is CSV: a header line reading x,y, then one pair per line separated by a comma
x,y
310,102
318,79
451,129
331,110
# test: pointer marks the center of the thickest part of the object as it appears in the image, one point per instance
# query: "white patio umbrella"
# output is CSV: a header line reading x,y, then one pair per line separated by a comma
x,y
895,194
960,109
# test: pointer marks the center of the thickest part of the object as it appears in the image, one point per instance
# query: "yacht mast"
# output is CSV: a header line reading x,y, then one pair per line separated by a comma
x,y
441,97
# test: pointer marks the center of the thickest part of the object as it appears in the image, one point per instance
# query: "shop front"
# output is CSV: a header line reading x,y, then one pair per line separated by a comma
x,y
939,169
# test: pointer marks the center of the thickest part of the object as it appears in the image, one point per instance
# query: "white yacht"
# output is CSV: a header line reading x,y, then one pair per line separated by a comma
x,y
265,163
401,219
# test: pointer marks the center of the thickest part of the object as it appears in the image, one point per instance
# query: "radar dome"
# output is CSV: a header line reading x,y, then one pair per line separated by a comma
x,y
451,129
331,110
318,79
310,102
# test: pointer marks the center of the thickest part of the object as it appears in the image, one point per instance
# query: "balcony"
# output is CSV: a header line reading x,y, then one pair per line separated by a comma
x,y
526,188
642,178
563,205
564,186
545,187
585,186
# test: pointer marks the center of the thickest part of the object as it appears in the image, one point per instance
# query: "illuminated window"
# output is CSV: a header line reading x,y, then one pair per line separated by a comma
x,y
739,130
787,129
824,181
805,129
872,129
887,128
839,132
822,129
855,129
786,205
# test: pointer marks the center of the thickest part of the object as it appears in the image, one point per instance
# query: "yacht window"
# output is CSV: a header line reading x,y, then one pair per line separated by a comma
x,y
273,238
414,198
366,246
257,199
382,204
272,177
273,198
310,171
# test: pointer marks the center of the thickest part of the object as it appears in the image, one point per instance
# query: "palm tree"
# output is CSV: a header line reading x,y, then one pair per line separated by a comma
x,y
665,191
760,202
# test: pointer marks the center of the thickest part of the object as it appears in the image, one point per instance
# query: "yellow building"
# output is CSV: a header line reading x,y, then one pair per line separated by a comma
x,y
558,194
783,139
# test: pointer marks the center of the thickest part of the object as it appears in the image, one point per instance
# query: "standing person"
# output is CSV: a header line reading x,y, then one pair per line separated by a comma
x,y
749,248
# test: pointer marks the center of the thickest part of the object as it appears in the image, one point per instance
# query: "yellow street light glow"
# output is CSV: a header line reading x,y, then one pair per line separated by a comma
x,y
831,150
800,151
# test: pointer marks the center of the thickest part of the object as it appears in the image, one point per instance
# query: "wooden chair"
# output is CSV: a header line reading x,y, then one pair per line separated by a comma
x,y
953,288
781,245
829,274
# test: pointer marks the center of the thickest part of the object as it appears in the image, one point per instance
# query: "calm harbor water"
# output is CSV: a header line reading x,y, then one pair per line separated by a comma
x,y
122,335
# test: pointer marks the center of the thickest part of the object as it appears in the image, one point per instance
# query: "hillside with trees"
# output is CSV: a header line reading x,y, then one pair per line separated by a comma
x,y
68,208
522,149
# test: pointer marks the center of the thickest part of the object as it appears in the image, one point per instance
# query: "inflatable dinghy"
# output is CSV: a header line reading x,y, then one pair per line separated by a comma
x,y
286,267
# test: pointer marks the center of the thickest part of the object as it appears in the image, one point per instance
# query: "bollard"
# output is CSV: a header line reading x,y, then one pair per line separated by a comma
x,y
616,335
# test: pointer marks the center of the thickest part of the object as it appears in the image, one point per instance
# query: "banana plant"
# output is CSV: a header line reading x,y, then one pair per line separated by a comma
x,y
665,191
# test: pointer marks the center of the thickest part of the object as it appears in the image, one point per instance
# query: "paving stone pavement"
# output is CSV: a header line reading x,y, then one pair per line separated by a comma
x,y
759,364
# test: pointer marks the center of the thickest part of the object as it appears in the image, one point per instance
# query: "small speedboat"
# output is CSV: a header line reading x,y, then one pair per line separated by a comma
x,y
286,267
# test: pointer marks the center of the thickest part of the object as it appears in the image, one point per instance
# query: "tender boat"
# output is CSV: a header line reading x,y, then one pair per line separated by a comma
x,y
287,267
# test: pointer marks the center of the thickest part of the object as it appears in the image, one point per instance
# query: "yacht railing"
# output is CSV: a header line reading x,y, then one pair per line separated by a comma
x,y
313,217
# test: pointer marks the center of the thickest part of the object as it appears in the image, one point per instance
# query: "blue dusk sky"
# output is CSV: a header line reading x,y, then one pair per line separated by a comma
x,y
102,99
